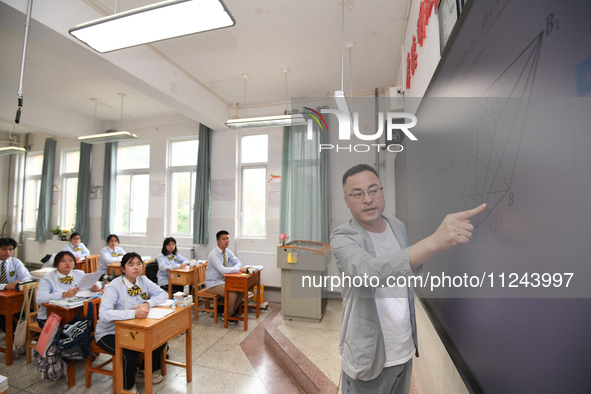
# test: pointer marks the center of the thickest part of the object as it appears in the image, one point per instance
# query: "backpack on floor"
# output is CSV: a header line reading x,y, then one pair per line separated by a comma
x,y
51,366
73,340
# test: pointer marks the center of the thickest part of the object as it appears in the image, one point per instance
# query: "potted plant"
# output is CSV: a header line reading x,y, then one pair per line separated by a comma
x,y
64,234
56,233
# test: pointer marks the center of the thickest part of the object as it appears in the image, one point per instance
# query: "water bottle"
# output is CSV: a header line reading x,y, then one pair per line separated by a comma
x,y
173,304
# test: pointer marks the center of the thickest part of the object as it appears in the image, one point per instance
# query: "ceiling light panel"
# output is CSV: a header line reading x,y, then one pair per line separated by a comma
x,y
160,21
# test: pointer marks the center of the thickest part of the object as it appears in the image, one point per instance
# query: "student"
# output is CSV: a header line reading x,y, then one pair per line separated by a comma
x,y
130,296
60,283
76,247
222,261
12,271
112,253
169,259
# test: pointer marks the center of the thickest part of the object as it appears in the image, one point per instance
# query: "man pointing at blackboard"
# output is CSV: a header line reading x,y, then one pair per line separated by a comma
x,y
378,330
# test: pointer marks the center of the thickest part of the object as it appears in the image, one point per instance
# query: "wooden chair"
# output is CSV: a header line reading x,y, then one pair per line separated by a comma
x,y
204,297
92,263
33,329
94,347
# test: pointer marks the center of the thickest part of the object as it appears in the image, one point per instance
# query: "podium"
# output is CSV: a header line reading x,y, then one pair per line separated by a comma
x,y
303,268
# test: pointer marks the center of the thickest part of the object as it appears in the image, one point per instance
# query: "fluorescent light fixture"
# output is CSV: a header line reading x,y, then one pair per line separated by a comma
x,y
160,21
267,121
8,150
115,136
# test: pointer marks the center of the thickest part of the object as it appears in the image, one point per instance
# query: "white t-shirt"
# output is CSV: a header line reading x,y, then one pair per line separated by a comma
x,y
393,307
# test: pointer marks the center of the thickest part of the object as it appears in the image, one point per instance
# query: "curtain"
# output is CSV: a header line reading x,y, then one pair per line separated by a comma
x,y
109,186
202,187
83,196
45,191
305,185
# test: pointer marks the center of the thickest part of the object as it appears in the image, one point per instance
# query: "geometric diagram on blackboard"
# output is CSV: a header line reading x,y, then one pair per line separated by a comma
x,y
500,115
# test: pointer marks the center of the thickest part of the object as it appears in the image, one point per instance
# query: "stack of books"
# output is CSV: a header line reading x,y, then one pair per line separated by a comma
x,y
40,273
3,384
68,303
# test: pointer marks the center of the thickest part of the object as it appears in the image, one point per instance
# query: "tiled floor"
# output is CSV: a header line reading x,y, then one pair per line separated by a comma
x,y
319,341
219,365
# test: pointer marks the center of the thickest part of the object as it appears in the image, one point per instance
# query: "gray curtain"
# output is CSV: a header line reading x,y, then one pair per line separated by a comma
x,y
202,187
305,185
46,191
83,197
109,185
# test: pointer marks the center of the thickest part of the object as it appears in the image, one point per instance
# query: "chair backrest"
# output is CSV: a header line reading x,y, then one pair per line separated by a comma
x,y
92,263
200,272
152,271
96,307
34,307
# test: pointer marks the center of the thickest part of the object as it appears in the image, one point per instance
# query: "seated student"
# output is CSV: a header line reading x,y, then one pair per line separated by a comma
x,y
112,253
130,296
60,283
169,259
12,271
76,247
222,261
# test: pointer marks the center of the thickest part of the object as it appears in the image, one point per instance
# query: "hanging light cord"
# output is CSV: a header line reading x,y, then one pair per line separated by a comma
x,y
343,48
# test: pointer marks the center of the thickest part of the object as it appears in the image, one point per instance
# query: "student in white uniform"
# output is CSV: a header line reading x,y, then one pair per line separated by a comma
x,y
76,247
61,283
169,259
12,271
129,296
112,253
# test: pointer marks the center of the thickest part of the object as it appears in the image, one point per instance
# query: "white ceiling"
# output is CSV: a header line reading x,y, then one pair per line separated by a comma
x,y
198,75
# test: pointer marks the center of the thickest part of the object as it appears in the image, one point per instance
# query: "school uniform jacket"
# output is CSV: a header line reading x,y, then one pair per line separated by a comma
x,y
50,288
117,304
78,251
166,263
109,256
15,272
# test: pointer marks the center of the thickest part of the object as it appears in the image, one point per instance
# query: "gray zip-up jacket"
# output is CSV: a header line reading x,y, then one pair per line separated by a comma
x,y
361,343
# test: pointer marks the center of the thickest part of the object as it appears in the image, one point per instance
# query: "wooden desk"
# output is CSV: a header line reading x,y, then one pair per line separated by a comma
x,y
65,314
11,302
145,335
241,283
181,277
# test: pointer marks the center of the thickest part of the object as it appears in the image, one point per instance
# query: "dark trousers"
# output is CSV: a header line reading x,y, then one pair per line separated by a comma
x,y
130,359
175,288
3,322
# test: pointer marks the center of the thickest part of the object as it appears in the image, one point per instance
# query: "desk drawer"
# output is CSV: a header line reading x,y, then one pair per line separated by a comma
x,y
131,339
172,329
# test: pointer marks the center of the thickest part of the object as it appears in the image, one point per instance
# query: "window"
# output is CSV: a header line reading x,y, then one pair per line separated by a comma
x,y
253,176
132,189
182,164
70,165
33,183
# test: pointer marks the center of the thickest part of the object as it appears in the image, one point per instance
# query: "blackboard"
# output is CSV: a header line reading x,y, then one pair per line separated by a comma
x,y
506,120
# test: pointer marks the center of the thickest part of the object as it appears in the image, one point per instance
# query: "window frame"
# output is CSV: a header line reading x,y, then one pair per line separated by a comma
x,y
170,171
241,168
64,177
132,172
37,183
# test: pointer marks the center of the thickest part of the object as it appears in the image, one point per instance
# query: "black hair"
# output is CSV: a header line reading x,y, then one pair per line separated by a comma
x,y
166,242
220,233
8,242
113,236
74,234
58,257
129,256
356,170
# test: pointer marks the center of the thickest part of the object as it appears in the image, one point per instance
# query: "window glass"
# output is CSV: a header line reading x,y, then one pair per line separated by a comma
x,y
72,159
133,157
122,203
253,201
254,148
140,198
180,211
35,165
70,200
184,153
